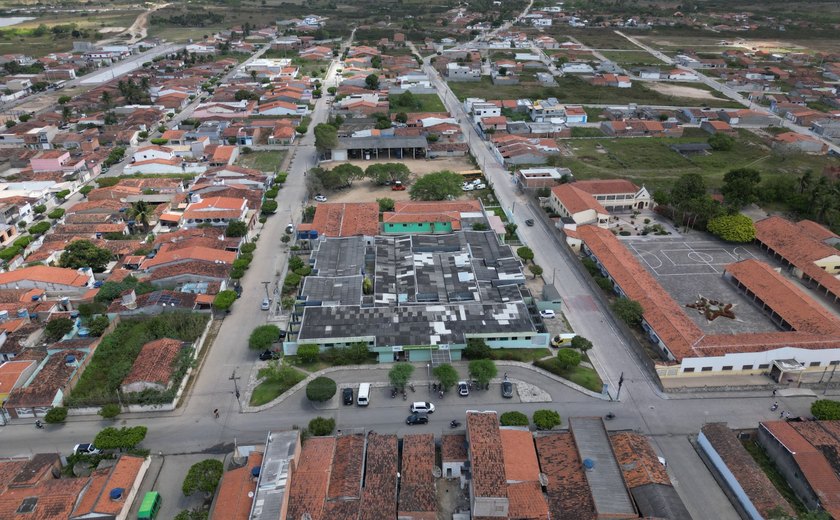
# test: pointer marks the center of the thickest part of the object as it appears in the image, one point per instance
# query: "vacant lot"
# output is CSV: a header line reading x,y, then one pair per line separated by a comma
x,y
268,161
650,161
427,103
571,89
629,58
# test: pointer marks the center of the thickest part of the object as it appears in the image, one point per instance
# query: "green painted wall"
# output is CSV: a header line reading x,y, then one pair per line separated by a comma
x,y
417,227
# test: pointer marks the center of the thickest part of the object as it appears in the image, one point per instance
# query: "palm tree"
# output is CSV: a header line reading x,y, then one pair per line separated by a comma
x,y
805,181
141,212
254,75
106,99
66,113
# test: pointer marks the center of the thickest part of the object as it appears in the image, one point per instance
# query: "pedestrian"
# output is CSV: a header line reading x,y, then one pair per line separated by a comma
x,y
782,414
774,392
505,375
216,413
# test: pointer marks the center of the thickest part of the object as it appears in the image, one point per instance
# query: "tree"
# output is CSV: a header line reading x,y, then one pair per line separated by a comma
x,y
446,375
236,228
203,476
243,94
477,348
826,409
269,207
437,186
546,419
39,209
326,137
66,113
57,328
740,187
61,195
263,336
110,410
400,373
56,415
385,204
121,439
98,325
224,300
535,270
721,142
86,189
513,419
568,358
141,211
192,514
687,187
401,117
372,82
525,253
320,389
733,228
308,353
56,213
581,343
630,311
39,229
483,370
63,99
321,426
84,253
386,173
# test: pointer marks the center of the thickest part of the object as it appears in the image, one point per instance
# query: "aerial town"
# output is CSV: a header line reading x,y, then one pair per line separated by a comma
x,y
401,260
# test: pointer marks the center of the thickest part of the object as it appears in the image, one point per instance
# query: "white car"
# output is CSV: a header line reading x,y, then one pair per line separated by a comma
x,y
547,313
463,388
86,449
266,304
422,407
320,198
467,187
479,186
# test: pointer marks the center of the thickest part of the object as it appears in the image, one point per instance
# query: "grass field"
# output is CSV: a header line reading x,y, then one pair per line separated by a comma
x,y
268,161
572,89
627,58
584,376
523,355
650,161
428,103
270,390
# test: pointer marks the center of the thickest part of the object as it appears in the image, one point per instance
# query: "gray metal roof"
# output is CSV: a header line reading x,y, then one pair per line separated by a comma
x,y
353,143
660,501
339,256
341,290
604,477
274,473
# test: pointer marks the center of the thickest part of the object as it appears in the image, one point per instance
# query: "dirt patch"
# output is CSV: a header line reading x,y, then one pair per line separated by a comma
x,y
450,498
108,30
417,166
681,91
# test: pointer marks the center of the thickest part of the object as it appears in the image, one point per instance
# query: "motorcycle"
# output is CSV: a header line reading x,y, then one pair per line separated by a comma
x,y
454,424
405,396
610,416
774,407
411,385
393,393
39,425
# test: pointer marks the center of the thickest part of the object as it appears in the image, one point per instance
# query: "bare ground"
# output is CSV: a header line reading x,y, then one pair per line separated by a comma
x,y
681,91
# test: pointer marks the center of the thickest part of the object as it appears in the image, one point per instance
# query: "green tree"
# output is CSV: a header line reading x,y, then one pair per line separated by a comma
x,y
224,300
483,370
263,336
400,373
236,228
84,253
446,375
124,438
109,411
386,173
61,195
477,348
40,208
86,189
629,311
321,426
826,409
401,117
437,186
733,228
513,419
57,328
63,99
740,187
581,343
141,212
320,389
372,82
98,325
326,137
203,476
269,207
55,415
192,514
568,358
308,353
546,419
385,204
535,269
721,142
525,253
687,187
56,213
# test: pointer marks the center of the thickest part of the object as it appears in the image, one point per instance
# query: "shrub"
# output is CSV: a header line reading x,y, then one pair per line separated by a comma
x,y
630,311
513,419
295,263
304,271
321,426
203,476
224,300
269,207
56,213
320,389
159,141
262,337
241,263
124,438
110,410
250,247
737,228
568,358
292,280
477,348
58,328
308,353
581,343
40,228
56,415
98,325
546,419
826,409
591,266
604,283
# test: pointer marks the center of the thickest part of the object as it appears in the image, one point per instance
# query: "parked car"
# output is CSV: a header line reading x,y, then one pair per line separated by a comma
x,y
86,449
320,198
507,389
529,222
347,396
290,228
467,187
417,418
479,186
547,314
268,355
422,407
266,304
463,388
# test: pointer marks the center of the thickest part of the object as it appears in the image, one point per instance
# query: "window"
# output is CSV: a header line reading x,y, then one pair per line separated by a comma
x,y
814,364
689,369
727,368
747,367
764,366
706,369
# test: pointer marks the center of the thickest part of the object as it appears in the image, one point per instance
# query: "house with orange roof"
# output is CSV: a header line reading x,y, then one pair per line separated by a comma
x,y
217,211
153,367
111,491
717,127
343,220
54,280
234,498
31,491
522,472
417,484
14,374
577,205
411,217
224,155
792,142
188,254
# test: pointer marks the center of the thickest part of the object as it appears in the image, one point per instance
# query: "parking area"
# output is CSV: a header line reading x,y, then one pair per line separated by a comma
x,y
691,268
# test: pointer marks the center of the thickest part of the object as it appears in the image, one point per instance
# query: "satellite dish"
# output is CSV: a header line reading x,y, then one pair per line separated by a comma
x,y
436,472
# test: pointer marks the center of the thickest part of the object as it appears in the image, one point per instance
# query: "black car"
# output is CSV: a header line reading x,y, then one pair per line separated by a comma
x,y
529,222
417,418
347,396
507,389
268,355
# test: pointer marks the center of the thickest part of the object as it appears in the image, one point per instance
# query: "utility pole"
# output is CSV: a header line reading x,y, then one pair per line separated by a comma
x,y
234,378
620,383
834,369
265,284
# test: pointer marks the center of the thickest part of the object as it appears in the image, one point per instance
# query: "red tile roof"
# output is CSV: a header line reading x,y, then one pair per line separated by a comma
x,y
53,376
486,456
54,499
576,200
637,460
193,270
453,447
379,498
346,475
309,480
154,363
568,492
232,500
606,186
124,474
347,219
195,253
520,456
45,274
792,305
417,484
815,230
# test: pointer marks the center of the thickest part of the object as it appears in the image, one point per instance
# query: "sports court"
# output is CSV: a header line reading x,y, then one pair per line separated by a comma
x,y
689,267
